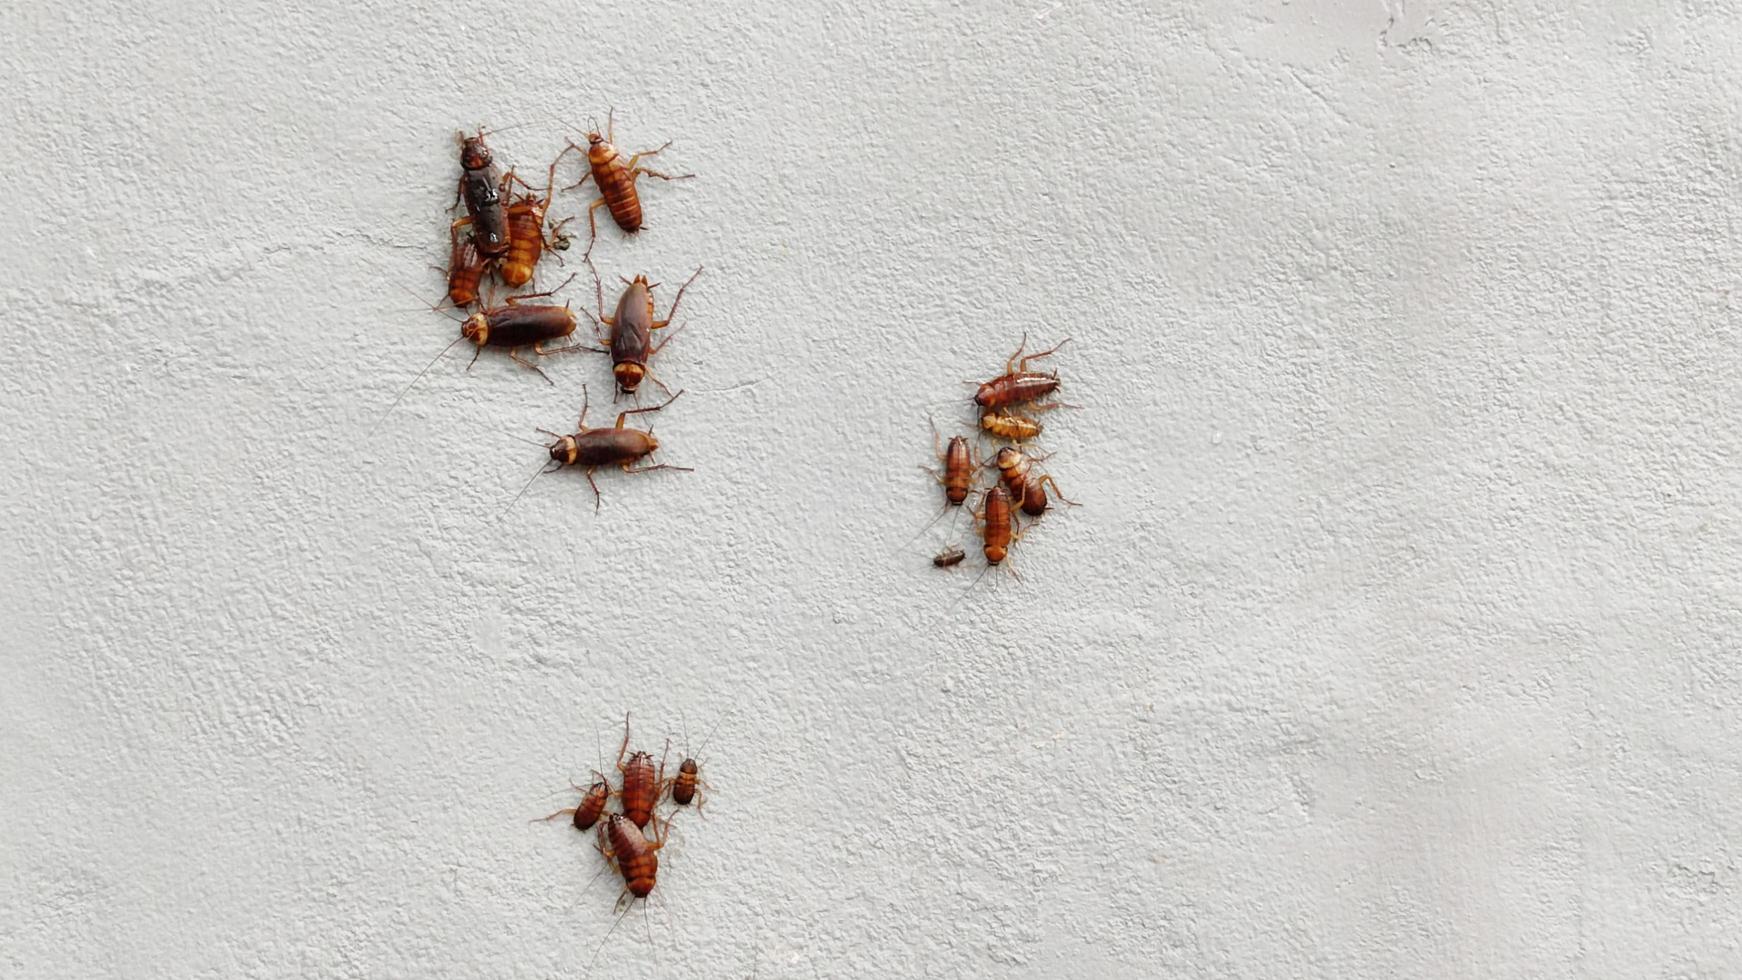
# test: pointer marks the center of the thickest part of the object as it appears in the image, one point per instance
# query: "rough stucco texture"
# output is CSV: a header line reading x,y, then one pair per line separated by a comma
x,y
1396,634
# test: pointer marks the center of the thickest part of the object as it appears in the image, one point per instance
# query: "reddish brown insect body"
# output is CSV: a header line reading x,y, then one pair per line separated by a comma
x,y
958,470
1026,487
1018,384
465,266
683,787
480,187
526,232
592,448
640,788
616,179
995,517
635,855
591,807
1016,428
631,330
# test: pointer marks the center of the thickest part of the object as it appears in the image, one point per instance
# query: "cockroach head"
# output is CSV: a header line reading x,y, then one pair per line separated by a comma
x,y
476,329
1008,458
563,452
474,154
628,375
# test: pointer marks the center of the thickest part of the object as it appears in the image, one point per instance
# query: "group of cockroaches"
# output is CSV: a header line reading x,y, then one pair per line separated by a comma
x,y
503,234
1020,486
631,838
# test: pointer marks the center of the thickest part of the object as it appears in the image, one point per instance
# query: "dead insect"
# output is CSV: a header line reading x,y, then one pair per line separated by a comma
x,y
592,448
465,266
616,180
481,188
591,807
996,520
1026,487
631,330
1016,428
949,556
1018,384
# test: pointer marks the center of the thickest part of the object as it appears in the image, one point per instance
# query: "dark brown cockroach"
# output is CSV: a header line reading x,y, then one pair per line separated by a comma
x,y
995,519
1018,384
512,325
631,330
614,446
1026,486
1016,428
616,180
949,556
481,188
591,807
465,266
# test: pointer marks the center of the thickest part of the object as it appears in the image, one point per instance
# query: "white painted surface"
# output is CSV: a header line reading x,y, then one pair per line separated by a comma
x,y
1397,635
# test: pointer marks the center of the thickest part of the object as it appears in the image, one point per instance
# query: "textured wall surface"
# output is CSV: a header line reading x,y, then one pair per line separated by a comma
x,y
1396,634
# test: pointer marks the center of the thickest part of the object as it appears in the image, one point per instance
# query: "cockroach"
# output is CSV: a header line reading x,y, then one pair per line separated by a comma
x,y
633,853
958,460
511,325
593,448
1016,428
591,807
481,188
642,785
1016,469
465,266
616,180
526,239
636,857
995,517
949,556
1018,384
631,330
685,785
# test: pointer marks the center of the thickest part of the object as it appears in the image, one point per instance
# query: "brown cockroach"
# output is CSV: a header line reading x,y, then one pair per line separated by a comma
x,y
634,854
526,238
685,786
616,180
591,807
641,785
465,266
510,325
1018,384
951,555
1026,486
481,188
631,330
593,448
958,460
1016,428
996,520
636,857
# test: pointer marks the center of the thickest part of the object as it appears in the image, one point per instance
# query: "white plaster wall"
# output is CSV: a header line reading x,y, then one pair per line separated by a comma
x,y
1396,635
